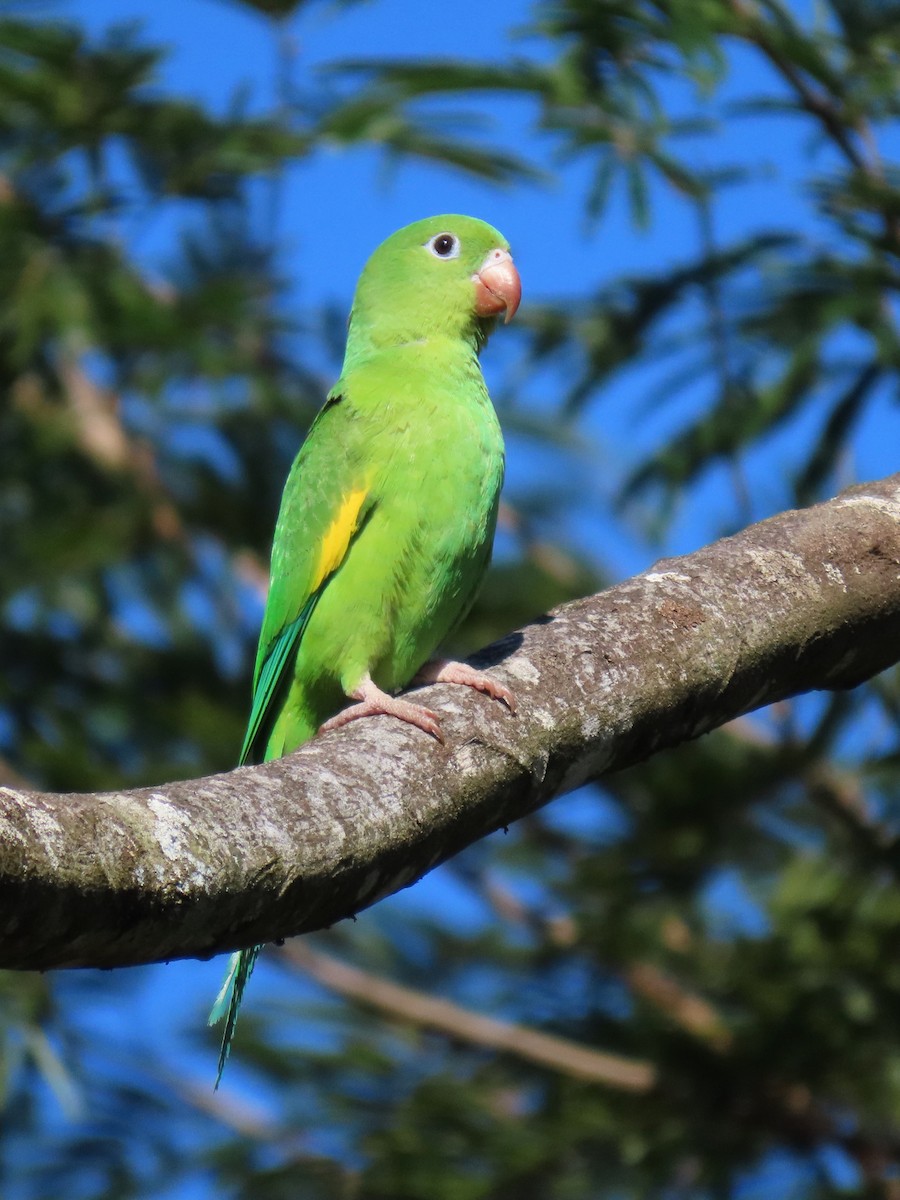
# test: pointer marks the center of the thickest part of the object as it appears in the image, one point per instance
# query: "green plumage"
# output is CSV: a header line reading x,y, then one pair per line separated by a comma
x,y
388,514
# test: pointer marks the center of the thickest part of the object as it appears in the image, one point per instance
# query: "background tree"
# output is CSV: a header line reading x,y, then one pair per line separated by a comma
x,y
723,920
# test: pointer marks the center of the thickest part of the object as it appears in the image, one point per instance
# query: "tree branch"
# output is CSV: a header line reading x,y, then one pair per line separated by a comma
x,y
836,123
806,600
419,1008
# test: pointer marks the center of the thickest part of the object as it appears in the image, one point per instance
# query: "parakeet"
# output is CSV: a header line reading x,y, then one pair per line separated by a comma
x,y
388,515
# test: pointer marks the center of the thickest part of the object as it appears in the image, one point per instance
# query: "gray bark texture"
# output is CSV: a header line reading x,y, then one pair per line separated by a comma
x,y
807,600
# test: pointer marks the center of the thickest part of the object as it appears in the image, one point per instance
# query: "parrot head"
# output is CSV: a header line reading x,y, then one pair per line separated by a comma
x,y
448,274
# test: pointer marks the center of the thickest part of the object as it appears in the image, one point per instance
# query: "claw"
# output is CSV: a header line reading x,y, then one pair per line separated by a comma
x,y
374,702
445,670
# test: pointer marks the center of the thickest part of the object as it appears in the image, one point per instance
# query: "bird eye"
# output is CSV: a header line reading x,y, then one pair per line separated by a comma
x,y
444,245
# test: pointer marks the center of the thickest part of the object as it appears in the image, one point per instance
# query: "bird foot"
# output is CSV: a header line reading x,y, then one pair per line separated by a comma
x,y
374,702
445,670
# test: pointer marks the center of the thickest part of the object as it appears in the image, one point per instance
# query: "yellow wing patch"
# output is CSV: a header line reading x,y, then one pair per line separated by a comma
x,y
338,535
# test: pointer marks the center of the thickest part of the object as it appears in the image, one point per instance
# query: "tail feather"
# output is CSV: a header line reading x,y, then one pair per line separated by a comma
x,y
228,1001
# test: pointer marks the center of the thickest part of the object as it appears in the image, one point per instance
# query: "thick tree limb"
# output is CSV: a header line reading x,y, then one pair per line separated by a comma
x,y
806,600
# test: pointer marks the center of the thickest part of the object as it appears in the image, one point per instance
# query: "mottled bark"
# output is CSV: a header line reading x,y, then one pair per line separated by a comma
x,y
803,601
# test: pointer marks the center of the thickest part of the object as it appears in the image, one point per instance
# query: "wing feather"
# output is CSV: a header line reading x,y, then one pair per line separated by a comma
x,y
274,673
325,502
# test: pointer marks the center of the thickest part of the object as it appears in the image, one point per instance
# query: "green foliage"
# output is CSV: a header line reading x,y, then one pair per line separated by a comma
x,y
725,915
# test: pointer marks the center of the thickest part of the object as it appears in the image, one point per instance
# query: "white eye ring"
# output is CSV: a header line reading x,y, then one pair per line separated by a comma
x,y
444,245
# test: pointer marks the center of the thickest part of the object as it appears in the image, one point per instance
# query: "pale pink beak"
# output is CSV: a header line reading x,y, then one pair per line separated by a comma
x,y
497,286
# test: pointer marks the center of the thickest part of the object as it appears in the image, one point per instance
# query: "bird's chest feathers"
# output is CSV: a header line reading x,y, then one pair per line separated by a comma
x,y
437,443
444,440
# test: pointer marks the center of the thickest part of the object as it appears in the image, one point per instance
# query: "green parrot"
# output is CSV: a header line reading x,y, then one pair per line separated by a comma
x,y
388,515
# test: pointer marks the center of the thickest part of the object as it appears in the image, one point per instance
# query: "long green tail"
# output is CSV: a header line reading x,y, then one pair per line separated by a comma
x,y
273,676
265,695
228,1001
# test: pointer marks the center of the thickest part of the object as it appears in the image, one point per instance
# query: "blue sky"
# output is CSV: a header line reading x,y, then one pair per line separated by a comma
x,y
339,205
